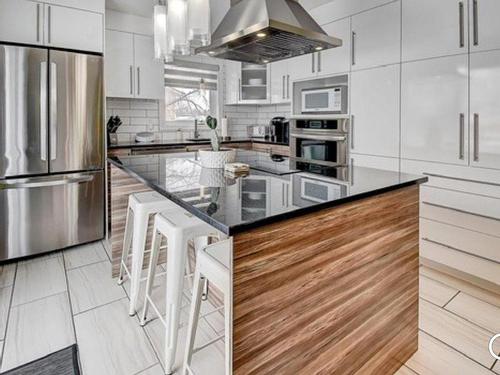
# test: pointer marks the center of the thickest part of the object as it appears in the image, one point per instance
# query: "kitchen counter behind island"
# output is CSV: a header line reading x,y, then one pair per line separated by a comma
x,y
325,268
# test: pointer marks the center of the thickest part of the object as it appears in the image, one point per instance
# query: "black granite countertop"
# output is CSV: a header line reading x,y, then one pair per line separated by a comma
x,y
273,191
173,144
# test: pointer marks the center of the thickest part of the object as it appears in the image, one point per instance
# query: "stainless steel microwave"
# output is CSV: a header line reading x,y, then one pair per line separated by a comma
x,y
324,100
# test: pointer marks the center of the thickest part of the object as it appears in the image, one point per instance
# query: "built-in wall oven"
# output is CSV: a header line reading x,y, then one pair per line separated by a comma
x,y
319,141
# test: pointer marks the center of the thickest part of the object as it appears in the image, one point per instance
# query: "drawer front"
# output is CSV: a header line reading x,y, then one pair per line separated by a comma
x,y
472,265
474,243
471,203
460,219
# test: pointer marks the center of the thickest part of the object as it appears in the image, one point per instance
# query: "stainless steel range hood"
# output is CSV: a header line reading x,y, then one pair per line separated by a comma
x,y
263,31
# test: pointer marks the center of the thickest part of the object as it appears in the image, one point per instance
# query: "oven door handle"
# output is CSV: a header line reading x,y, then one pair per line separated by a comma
x,y
336,138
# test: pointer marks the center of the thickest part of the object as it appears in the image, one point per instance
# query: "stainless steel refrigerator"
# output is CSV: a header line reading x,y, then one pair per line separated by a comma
x,y
51,150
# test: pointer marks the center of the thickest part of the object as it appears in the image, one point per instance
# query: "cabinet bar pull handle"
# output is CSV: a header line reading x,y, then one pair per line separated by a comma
x,y
37,22
476,136
461,24
313,63
288,86
319,62
283,90
138,81
131,80
352,132
475,22
49,36
461,136
353,44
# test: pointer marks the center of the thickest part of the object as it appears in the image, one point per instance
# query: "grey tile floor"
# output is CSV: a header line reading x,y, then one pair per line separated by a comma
x,y
53,301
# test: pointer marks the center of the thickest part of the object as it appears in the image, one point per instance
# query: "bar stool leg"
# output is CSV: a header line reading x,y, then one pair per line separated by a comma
x,y
175,281
193,320
153,261
127,241
138,244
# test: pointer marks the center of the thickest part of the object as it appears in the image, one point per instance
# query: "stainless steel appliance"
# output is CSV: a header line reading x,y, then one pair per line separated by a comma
x,y
320,141
280,130
264,31
325,100
51,150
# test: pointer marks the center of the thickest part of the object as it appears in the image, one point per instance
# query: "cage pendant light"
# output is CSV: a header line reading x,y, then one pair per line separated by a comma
x,y
177,29
199,23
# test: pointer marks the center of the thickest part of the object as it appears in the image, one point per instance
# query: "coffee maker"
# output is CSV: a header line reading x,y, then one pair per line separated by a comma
x,y
280,130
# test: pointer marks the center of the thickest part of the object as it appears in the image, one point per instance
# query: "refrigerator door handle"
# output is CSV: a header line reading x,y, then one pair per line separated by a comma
x,y
53,111
33,183
43,111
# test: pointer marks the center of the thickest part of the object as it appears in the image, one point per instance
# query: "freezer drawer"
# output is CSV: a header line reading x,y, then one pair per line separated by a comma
x,y
49,213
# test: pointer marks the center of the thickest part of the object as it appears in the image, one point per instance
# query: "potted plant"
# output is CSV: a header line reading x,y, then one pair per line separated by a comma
x,y
217,157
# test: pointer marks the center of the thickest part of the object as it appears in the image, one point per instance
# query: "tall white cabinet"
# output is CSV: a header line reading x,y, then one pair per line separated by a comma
x,y
434,107
130,67
375,111
485,28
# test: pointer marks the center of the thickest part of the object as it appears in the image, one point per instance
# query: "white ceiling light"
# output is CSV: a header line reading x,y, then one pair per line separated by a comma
x,y
177,27
160,31
199,23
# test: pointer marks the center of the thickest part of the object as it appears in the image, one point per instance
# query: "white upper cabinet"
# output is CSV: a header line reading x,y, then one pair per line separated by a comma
x,y
375,111
73,28
149,72
336,60
434,28
302,67
434,107
131,70
97,6
376,37
119,64
485,109
37,23
338,9
280,82
21,21
232,81
484,25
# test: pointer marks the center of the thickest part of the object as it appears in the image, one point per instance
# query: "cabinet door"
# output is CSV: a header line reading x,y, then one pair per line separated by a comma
x,y
445,31
281,197
485,109
434,104
119,64
149,72
21,21
376,38
73,28
233,81
336,60
375,111
484,25
302,67
280,82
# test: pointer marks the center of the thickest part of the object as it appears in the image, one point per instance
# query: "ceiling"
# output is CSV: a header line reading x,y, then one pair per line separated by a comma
x,y
144,8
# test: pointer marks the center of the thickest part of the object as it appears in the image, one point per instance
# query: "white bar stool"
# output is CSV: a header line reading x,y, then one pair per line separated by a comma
x,y
140,207
212,264
179,227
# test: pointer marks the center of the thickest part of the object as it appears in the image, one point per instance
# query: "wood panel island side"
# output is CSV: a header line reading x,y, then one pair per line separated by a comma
x,y
332,290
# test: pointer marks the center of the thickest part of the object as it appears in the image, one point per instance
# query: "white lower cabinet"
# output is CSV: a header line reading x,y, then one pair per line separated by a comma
x,y
485,109
74,28
281,194
375,97
434,107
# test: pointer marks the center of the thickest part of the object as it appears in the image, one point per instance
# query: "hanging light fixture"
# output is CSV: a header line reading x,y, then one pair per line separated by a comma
x,y
199,23
177,27
160,30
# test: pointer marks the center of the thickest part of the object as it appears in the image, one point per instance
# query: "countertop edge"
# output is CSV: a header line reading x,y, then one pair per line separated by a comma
x,y
231,231
174,144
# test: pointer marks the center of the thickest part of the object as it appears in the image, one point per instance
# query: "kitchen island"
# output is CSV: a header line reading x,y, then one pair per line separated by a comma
x,y
325,266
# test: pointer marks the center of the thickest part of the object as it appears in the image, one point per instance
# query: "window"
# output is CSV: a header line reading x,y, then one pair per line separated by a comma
x,y
190,89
